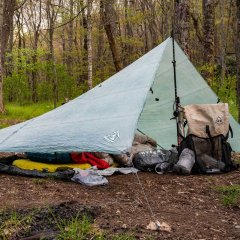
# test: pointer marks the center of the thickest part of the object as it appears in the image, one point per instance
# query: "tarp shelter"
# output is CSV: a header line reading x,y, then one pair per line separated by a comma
x,y
106,118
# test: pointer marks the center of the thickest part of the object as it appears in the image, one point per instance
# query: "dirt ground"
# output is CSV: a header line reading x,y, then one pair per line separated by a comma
x,y
189,204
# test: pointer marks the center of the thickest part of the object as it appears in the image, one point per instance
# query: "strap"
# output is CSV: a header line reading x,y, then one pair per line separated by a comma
x,y
208,132
231,131
211,139
185,123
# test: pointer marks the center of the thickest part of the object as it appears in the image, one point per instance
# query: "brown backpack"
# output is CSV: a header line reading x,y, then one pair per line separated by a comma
x,y
207,135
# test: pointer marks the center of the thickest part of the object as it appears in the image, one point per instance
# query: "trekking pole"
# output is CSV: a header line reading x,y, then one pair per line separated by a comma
x,y
177,99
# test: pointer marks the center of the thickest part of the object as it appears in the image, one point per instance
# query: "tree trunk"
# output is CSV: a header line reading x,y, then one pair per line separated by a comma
x,y
70,40
238,57
153,28
6,23
223,43
36,27
1,59
147,37
84,65
182,27
89,43
109,21
100,50
34,71
208,30
64,58
52,57
51,18
128,46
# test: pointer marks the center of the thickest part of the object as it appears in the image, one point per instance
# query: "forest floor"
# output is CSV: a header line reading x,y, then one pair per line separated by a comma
x,y
191,205
195,207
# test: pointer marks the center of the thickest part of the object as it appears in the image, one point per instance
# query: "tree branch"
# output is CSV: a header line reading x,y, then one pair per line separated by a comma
x,y
20,5
63,24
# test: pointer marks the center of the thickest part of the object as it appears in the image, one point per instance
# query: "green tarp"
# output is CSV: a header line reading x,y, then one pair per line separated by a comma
x,y
105,118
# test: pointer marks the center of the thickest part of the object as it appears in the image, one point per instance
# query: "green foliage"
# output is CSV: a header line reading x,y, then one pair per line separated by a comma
x,y
208,68
74,228
81,228
16,88
25,62
123,237
226,91
17,113
230,195
25,112
224,88
13,224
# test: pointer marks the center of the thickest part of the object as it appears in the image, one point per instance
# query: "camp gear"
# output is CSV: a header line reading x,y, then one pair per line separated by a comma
x,y
163,167
141,143
186,162
49,157
13,170
105,156
46,167
211,163
144,139
207,135
215,116
155,144
83,158
105,118
147,161
123,170
7,158
152,160
177,99
124,159
88,177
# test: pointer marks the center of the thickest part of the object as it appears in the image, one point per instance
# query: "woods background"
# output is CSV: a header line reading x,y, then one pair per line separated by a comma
x,y
52,50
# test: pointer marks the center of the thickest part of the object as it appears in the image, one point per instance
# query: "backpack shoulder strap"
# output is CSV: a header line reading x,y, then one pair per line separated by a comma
x,y
211,139
231,131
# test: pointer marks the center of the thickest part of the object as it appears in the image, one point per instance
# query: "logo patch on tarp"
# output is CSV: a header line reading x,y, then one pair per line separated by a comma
x,y
112,137
219,120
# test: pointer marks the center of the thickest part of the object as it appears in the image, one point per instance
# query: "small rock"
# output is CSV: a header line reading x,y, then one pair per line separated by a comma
x,y
6,232
124,226
156,226
152,226
165,227
182,192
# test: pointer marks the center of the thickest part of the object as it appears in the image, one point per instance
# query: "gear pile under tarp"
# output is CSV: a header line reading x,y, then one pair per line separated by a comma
x,y
85,168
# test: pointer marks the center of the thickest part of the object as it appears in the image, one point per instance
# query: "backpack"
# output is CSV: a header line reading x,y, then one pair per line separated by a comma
x,y
207,135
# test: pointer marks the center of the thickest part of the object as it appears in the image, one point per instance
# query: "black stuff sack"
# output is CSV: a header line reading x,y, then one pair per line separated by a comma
x,y
159,161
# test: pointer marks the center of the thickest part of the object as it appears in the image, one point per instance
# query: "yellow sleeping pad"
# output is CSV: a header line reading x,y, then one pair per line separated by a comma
x,y
48,167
